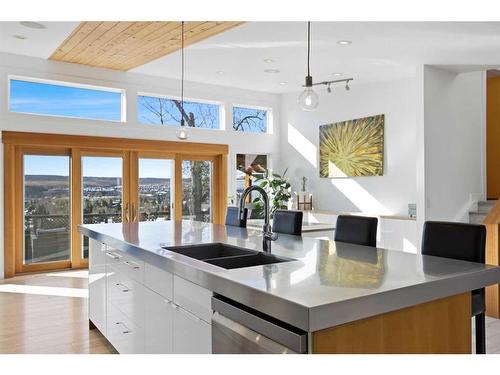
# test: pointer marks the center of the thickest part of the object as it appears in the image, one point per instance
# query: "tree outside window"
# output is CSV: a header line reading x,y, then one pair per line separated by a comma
x,y
162,111
249,120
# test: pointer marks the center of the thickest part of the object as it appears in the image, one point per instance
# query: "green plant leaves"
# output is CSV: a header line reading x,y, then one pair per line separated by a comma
x,y
278,189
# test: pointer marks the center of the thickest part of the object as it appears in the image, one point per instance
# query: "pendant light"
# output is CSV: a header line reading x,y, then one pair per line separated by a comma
x,y
308,100
182,132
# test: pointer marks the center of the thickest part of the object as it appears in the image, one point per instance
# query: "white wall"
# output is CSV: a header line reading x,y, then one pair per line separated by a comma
x,y
452,142
134,83
387,194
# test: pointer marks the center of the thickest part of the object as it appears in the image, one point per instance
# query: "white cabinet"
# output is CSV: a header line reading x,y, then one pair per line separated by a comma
x,y
398,235
159,281
126,264
97,285
126,336
158,324
193,298
192,335
192,318
141,308
126,294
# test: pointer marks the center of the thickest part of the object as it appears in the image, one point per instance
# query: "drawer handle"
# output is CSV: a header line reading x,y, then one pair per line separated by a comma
x,y
113,255
133,265
126,329
125,288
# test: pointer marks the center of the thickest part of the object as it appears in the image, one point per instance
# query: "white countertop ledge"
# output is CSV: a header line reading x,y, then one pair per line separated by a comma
x,y
331,283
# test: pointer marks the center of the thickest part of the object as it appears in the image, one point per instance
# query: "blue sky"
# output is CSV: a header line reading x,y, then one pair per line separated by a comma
x,y
94,166
42,98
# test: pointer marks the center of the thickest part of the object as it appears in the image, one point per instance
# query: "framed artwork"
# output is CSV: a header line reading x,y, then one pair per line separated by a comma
x,y
352,148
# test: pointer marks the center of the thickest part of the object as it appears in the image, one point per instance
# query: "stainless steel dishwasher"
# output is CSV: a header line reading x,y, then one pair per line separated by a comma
x,y
238,329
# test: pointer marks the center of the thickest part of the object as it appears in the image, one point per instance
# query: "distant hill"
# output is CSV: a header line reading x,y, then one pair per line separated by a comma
x,y
54,181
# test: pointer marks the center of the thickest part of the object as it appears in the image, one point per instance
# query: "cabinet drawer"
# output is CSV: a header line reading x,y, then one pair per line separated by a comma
x,y
192,335
122,333
193,298
159,280
125,263
126,295
158,324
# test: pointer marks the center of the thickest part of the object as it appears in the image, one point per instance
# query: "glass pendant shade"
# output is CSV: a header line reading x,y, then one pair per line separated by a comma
x,y
182,133
308,100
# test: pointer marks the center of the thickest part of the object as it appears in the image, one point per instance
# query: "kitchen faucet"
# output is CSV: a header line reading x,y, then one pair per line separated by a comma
x,y
268,235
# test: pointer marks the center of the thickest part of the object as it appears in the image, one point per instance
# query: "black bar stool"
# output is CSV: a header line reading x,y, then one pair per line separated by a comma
x,y
233,218
288,222
464,242
359,230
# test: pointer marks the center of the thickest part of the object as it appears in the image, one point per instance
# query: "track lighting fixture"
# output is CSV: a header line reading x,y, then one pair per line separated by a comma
x,y
309,100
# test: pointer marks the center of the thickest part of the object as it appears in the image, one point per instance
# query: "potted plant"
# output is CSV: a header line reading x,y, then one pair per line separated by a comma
x,y
278,189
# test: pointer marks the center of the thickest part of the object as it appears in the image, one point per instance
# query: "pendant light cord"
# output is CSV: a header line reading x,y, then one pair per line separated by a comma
x,y
308,45
182,73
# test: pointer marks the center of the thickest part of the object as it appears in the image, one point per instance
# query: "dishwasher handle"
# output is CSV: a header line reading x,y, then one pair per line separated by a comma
x,y
279,332
229,337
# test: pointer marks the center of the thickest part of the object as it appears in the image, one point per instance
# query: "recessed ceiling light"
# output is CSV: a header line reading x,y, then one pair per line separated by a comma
x,y
271,71
33,25
283,83
20,37
269,61
336,74
220,72
344,42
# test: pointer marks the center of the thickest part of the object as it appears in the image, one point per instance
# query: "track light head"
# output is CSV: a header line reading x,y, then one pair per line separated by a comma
x,y
329,89
347,88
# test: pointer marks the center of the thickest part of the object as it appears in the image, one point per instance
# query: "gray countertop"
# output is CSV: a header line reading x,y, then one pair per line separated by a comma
x,y
331,283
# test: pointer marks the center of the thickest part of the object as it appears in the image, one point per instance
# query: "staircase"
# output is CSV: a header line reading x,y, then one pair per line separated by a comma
x,y
483,208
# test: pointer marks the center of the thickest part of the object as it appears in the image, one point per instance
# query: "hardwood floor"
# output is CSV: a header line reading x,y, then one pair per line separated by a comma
x,y
47,314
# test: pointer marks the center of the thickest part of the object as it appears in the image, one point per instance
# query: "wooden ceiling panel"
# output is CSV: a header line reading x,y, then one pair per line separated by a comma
x,y
127,45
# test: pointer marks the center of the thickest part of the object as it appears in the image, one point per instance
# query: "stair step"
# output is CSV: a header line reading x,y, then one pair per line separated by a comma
x,y
485,206
476,217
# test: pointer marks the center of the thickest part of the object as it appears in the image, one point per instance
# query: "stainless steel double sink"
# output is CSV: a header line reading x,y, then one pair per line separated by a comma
x,y
227,256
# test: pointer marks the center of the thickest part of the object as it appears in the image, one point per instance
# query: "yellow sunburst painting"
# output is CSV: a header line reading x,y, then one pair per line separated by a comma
x,y
352,148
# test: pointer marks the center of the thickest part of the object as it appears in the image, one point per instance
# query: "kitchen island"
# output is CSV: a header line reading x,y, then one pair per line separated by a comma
x,y
332,297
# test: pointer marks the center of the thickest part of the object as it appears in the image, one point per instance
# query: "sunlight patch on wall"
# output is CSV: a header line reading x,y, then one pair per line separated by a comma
x,y
362,199
303,145
333,170
408,246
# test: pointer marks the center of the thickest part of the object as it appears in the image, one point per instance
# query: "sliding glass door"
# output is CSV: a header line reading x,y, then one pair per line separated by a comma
x,y
102,191
46,208
51,189
155,187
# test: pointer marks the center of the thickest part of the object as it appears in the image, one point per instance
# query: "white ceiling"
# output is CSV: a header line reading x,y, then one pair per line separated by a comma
x,y
38,43
380,51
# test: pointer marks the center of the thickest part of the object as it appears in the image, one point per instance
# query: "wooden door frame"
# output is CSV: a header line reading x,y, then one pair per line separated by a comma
x,y
77,146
